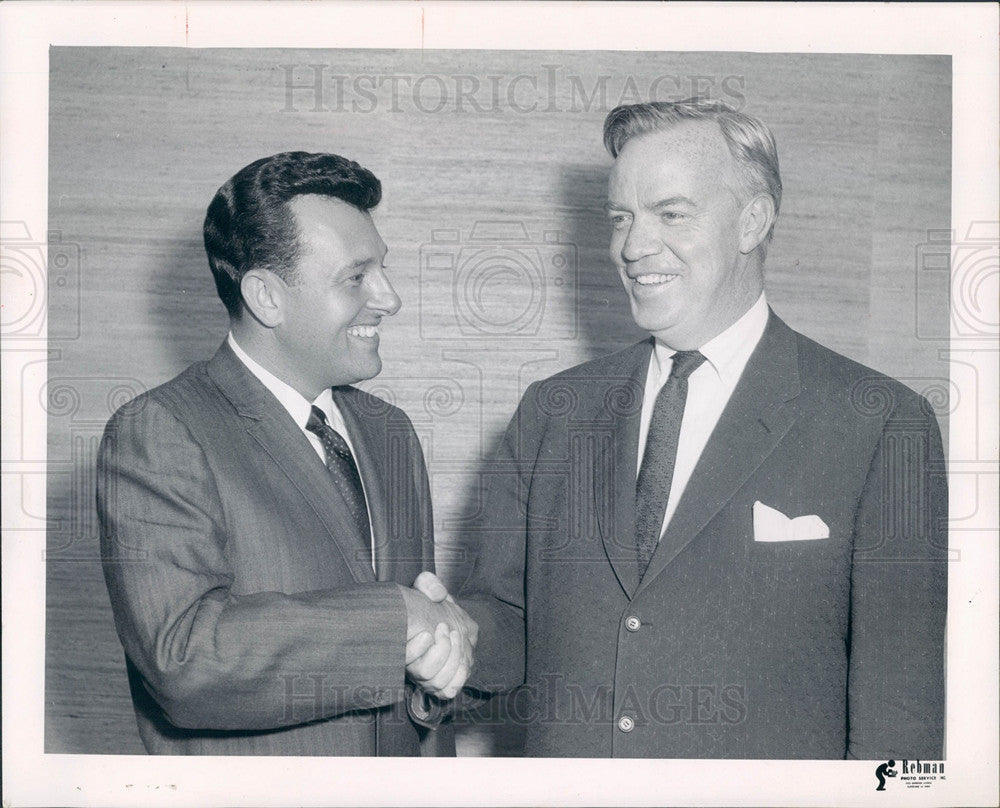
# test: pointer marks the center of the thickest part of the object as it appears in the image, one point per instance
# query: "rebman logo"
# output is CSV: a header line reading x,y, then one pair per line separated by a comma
x,y
911,773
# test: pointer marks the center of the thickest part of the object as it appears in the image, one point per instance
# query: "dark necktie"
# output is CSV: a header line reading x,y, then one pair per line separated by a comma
x,y
343,469
652,488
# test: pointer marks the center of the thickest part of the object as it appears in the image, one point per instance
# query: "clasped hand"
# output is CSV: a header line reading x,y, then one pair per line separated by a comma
x,y
440,637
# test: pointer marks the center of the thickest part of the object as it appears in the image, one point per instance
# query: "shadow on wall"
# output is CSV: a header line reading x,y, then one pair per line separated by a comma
x,y
186,318
603,325
604,319
588,314
88,707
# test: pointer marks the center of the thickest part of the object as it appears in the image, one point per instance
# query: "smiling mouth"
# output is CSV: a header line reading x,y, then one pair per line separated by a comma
x,y
363,331
653,279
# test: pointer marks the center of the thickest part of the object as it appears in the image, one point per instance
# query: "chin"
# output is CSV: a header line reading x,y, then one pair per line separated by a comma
x,y
356,375
370,371
652,323
653,317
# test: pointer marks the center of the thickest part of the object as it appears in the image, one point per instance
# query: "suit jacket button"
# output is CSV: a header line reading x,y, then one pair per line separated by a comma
x,y
632,623
626,724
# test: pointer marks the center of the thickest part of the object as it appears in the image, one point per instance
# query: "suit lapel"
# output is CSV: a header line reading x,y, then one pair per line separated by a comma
x,y
270,425
368,437
756,418
614,477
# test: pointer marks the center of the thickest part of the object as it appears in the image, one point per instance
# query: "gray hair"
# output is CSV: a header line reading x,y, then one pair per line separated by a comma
x,y
749,140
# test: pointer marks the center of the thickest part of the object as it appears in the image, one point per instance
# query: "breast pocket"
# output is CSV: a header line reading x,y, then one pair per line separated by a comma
x,y
802,551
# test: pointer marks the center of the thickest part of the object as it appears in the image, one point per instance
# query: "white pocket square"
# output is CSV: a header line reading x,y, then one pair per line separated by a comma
x,y
772,525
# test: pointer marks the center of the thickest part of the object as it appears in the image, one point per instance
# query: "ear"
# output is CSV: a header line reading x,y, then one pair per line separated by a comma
x,y
264,296
755,222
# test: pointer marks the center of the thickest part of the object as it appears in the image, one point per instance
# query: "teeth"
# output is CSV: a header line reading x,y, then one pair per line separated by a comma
x,y
652,280
363,331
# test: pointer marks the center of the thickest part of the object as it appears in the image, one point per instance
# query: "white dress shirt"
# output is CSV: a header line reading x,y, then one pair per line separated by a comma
x,y
300,409
709,390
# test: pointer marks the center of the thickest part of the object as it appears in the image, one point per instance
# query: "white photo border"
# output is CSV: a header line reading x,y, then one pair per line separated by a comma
x,y
966,32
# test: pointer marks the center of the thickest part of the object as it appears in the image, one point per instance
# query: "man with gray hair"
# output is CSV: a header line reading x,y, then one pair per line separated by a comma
x,y
726,541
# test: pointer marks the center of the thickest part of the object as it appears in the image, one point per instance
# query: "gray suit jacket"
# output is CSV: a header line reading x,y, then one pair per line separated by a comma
x,y
729,647
242,592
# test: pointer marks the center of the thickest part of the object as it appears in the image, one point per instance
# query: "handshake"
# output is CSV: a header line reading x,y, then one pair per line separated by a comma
x,y
440,637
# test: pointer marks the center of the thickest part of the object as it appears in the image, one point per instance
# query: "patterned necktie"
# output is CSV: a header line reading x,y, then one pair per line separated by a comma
x,y
343,469
652,488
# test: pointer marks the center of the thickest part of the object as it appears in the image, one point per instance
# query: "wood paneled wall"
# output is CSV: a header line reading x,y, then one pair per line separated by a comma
x,y
494,177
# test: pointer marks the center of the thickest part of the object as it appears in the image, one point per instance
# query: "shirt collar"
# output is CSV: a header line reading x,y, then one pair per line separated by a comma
x,y
289,398
727,353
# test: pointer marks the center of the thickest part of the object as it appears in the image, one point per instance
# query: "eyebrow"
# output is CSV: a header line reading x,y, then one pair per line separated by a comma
x,y
359,263
673,200
662,203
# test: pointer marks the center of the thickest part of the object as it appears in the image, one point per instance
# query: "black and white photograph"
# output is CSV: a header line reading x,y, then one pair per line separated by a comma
x,y
511,386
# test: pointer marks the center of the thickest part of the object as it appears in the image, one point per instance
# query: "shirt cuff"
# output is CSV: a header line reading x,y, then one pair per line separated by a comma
x,y
424,709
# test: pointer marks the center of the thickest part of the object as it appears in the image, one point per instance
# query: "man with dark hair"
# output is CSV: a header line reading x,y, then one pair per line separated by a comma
x,y
262,521
726,541
249,223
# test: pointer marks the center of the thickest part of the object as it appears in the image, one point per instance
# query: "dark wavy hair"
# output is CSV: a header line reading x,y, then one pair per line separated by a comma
x,y
249,224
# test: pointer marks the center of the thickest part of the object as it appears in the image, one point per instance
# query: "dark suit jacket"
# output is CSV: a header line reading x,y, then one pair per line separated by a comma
x,y
742,649
242,591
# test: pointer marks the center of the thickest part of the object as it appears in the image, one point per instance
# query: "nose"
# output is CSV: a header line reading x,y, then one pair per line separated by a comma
x,y
383,298
640,242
